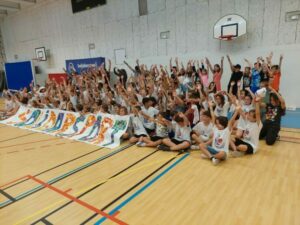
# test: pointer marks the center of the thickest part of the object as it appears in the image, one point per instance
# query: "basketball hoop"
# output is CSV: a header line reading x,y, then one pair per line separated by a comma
x,y
226,37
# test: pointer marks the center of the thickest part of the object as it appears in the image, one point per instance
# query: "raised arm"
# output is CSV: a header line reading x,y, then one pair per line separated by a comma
x,y
282,102
230,63
280,61
209,64
212,113
257,110
222,65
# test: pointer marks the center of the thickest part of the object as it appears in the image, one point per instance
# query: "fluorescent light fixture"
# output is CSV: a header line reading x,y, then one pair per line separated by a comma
x,y
165,35
292,16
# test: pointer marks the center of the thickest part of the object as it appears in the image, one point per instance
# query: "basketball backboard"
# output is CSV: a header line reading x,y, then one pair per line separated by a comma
x,y
230,27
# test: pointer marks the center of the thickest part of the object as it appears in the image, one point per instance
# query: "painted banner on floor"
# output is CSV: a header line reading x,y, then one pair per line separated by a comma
x,y
97,129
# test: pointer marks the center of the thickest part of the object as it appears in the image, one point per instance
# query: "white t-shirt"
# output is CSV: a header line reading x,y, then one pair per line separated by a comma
x,y
181,133
241,125
196,114
204,131
9,105
138,128
222,111
251,134
161,130
221,139
151,111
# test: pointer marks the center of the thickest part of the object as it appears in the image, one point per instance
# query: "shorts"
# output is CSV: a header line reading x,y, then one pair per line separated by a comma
x,y
149,131
140,135
156,138
176,142
214,151
241,142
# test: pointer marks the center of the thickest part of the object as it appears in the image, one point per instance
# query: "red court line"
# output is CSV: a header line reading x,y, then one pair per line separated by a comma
x,y
84,204
70,189
116,213
13,181
26,143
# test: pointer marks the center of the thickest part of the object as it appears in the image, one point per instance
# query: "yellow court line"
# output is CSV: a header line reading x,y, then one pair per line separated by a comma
x,y
85,189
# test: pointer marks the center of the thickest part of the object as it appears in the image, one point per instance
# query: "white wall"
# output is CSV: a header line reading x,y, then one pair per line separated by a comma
x,y
52,24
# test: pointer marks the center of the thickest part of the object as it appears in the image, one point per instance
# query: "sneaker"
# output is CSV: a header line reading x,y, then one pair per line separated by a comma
x,y
237,154
203,156
163,148
141,144
195,147
215,161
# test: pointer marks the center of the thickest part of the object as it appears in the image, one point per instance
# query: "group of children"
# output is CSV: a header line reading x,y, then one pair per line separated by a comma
x,y
176,109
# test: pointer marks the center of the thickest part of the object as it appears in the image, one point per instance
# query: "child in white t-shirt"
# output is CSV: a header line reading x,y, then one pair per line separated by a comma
x,y
181,140
139,130
161,131
221,137
248,143
203,130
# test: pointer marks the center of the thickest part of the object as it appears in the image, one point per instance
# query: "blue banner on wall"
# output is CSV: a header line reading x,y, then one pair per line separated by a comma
x,y
80,65
18,75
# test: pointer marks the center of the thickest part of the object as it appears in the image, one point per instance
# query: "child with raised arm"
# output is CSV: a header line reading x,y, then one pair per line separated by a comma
x,y
248,143
181,140
217,71
161,131
218,147
274,111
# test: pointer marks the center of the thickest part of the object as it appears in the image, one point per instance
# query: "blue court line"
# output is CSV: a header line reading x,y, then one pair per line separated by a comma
x,y
142,189
39,187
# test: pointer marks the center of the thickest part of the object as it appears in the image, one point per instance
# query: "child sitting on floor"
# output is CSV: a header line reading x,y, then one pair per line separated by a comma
x,y
221,138
181,140
139,130
202,132
161,131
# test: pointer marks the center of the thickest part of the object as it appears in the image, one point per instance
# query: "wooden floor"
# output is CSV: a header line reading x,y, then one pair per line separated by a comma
x,y
144,186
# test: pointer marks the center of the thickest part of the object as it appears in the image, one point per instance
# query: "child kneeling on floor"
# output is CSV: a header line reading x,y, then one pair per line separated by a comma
x,y
181,140
221,137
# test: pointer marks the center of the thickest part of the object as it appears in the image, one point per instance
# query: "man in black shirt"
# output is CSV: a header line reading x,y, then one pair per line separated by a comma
x,y
236,76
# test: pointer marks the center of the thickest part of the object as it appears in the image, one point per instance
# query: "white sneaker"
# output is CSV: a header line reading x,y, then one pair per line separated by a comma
x,y
195,147
203,156
215,161
139,143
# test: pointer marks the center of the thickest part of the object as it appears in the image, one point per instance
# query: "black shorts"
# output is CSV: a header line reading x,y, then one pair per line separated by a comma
x,y
156,138
149,131
241,142
176,142
140,135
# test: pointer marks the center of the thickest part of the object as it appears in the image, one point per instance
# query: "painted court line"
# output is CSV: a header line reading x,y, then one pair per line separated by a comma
x,y
166,162
58,178
18,137
141,190
26,143
14,182
80,202
88,190
8,196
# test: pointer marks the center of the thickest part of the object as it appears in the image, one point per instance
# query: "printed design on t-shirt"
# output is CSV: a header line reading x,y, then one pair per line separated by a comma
x,y
219,142
246,134
271,113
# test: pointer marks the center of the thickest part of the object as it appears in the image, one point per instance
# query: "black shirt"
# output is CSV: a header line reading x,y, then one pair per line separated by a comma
x,y
235,76
274,114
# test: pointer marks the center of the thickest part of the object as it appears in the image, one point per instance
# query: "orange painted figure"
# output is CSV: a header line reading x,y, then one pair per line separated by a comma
x,y
70,120
105,125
